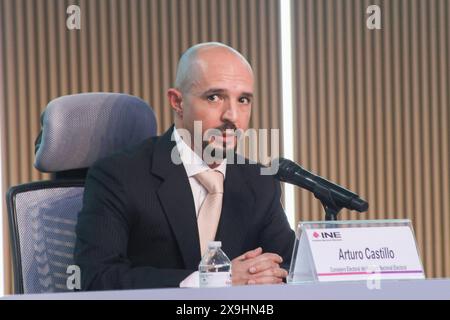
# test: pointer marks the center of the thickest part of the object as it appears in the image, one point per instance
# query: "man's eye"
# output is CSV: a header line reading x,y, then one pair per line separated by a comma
x,y
214,98
244,100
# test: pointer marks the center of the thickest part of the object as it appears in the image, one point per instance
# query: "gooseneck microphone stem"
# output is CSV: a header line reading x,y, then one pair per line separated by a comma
x,y
331,214
324,195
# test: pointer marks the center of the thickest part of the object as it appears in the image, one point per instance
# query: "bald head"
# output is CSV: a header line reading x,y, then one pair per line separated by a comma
x,y
196,59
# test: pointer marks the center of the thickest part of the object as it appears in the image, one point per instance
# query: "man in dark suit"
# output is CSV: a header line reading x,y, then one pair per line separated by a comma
x,y
146,219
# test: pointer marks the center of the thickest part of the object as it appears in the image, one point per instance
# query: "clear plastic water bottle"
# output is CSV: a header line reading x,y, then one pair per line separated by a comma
x,y
215,268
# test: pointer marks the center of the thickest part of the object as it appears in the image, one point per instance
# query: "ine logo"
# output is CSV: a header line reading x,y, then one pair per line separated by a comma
x,y
73,21
327,235
374,19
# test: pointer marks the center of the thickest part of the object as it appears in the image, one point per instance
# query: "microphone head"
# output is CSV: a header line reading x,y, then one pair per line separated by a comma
x,y
359,205
285,168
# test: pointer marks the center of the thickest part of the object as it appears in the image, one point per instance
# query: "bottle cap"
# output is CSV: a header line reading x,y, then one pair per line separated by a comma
x,y
214,244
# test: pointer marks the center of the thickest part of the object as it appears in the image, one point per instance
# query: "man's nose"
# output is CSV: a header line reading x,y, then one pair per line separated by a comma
x,y
230,113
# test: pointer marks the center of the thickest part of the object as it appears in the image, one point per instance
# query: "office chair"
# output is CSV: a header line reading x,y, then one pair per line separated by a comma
x,y
77,130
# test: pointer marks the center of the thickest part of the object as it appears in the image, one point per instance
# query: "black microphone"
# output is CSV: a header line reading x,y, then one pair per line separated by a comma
x,y
326,191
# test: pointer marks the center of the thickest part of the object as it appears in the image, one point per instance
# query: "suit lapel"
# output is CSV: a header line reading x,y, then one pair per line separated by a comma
x,y
176,199
238,204
177,202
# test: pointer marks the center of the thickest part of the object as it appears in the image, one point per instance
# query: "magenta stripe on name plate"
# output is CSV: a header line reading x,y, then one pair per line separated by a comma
x,y
359,273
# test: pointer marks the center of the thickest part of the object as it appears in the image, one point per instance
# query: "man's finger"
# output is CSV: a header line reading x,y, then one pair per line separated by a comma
x,y
250,254
273,272
265,280
253,253
267,257
262,265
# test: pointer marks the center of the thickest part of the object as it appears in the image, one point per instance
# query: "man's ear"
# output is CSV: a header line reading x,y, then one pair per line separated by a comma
x,y
176,101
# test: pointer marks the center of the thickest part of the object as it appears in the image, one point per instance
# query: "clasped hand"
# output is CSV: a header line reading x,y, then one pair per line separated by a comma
x,y
256,267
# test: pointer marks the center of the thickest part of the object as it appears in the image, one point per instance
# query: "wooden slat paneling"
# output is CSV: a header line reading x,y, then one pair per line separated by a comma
x,y
372,112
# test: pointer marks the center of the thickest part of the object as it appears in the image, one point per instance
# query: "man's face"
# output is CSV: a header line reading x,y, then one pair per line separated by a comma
x,y
220,95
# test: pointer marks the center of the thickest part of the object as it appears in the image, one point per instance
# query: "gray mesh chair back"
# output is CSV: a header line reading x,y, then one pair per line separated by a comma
x,y
76,131
43,218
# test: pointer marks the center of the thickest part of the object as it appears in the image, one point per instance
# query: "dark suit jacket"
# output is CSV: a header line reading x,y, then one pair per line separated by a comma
x,y
138,227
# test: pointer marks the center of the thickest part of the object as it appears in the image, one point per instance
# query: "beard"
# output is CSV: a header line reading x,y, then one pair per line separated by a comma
x,y
217,149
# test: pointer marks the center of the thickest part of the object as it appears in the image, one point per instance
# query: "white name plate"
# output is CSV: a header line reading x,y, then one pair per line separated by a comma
x,y
355,250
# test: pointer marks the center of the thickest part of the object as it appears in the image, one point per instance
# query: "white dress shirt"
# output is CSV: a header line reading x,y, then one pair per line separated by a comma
x,y
193,165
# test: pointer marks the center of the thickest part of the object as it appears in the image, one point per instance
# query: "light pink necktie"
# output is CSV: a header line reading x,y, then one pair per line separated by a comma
x,y
209,214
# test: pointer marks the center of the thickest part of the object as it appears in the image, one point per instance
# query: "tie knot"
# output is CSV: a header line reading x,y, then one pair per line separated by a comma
x,y
211,180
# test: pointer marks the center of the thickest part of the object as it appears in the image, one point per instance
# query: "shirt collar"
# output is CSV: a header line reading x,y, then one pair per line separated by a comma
x,y
192,162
